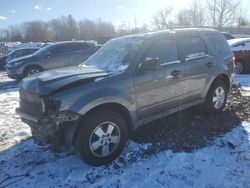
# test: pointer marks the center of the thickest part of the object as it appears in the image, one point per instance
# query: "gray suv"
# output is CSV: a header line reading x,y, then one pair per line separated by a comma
x,y
94,108
61,54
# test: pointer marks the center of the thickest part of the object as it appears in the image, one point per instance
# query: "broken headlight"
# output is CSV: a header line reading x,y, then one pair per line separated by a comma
x,y
50,105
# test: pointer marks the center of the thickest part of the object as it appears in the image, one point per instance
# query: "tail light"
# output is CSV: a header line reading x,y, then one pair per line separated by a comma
x,y
234,62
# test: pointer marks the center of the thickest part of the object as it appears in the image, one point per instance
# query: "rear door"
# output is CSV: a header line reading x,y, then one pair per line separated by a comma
x,y
198,64
160,90
58,57
80,52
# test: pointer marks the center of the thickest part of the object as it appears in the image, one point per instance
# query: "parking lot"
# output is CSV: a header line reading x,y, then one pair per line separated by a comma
x,y
188,149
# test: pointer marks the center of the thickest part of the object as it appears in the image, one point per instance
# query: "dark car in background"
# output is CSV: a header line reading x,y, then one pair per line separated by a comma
x,y
241,50
16,54
228,36
96,107
52,56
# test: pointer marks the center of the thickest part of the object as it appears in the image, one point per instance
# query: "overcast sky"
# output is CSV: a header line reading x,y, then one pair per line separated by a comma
x,y
117,11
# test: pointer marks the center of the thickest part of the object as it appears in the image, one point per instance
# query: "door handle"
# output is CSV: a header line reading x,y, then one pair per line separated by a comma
x,y
209,64
175,73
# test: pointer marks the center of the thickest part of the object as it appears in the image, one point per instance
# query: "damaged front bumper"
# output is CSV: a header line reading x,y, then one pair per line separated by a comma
x,y
56,129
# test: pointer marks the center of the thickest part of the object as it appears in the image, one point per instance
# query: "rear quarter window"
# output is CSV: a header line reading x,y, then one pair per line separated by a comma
x,y
193,47
219,43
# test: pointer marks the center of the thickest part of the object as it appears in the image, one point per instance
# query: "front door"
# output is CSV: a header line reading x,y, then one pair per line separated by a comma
x,y
160,90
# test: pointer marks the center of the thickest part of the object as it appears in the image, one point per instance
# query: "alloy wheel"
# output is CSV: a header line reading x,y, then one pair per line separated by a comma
x,y
104,139
239,67
32,72
219,97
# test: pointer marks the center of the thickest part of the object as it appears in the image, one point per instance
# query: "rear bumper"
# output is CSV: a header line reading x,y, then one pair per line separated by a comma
x,y
58,130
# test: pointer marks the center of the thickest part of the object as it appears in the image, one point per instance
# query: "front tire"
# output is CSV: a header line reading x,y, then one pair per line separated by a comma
x,y
216,97
101,137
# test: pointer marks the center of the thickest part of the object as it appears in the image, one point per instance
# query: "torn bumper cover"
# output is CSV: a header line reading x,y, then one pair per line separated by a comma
x,y
54,129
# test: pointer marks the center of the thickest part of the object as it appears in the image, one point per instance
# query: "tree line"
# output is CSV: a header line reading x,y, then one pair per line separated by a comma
x,y
59,29
199,13
204,13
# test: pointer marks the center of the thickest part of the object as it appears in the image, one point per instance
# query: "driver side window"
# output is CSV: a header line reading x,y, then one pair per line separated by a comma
x,y
165,51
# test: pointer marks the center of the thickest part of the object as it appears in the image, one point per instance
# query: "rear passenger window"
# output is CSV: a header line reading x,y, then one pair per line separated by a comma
x,y
79,47
218,42
31,51
60,49
193,47
26,52
165,50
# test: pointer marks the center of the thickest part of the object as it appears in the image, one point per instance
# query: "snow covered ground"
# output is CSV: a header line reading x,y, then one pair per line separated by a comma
x,y
243,81
225,162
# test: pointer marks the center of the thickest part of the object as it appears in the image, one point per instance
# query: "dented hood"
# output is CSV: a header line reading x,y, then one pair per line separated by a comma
x,y
50,81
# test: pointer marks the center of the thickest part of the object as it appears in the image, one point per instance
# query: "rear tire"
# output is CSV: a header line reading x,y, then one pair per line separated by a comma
x,y
240,67
32,70
216,97
101,137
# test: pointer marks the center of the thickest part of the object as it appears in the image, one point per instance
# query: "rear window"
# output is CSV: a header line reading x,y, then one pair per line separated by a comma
x,y
218,42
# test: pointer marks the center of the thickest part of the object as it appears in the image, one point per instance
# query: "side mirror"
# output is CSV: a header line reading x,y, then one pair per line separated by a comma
x,y
150,64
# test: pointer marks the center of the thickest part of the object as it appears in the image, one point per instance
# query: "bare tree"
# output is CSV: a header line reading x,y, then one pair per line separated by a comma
x,y
242,19
184,18
87,29
15,33
195,15
54,27
198,13
162,19
36,31
63,28
71,28
223,12
124,29
5,35
105,29
91,30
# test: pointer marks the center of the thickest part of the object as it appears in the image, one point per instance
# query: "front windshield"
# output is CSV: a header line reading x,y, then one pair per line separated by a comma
x,y
115,55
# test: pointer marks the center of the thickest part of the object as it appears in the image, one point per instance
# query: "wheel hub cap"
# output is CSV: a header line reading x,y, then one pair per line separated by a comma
x,y
218,97
104,139
32,72
239,67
